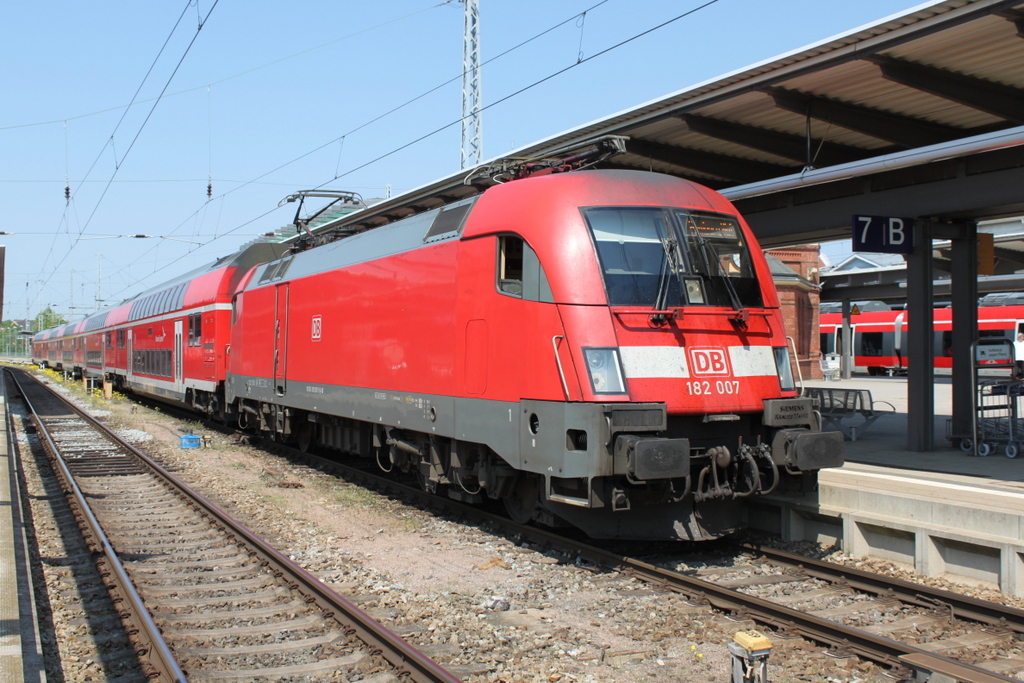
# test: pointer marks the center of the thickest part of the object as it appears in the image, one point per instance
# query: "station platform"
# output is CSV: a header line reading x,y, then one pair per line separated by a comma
x,y
21,656
943,513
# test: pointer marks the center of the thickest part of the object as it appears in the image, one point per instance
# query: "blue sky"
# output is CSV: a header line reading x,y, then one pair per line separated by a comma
x,y
272,98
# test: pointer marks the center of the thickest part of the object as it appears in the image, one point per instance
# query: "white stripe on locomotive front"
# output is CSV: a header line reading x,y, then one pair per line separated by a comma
x,y
669,362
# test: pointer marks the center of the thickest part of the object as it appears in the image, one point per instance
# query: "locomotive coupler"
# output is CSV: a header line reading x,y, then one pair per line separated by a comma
x,y
715,488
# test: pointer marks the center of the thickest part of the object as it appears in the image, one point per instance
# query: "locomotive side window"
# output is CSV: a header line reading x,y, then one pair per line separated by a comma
x,y
519,271
510,265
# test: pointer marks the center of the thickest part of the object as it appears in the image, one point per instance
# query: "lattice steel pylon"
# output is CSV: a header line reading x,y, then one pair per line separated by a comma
x,y
472,125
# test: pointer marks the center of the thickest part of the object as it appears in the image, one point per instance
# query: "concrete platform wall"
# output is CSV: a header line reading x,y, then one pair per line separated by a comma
x,y
967,533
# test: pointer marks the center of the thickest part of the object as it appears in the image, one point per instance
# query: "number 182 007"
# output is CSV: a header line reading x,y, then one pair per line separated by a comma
x,y
704,387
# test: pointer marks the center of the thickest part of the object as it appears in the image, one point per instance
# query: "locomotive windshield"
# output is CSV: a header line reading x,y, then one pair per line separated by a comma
x,y
673,257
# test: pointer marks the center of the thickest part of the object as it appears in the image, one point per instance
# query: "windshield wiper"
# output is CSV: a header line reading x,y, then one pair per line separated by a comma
x,y
670,267
704,247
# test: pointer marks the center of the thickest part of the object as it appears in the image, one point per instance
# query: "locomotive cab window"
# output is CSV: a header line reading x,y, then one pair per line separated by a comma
x,y
663,257
519,271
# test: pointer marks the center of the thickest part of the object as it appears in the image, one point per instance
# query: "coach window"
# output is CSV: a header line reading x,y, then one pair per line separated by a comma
x,y
870,343
120,339
195,329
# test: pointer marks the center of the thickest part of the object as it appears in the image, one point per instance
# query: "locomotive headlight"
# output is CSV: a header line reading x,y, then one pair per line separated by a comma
x,y
784,369
605,371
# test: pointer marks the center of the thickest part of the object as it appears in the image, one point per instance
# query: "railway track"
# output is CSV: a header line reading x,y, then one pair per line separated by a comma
x,y
854,615
200,596
904,627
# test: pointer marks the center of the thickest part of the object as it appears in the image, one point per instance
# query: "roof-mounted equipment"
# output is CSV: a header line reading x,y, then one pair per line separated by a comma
x,y
340,197
573,157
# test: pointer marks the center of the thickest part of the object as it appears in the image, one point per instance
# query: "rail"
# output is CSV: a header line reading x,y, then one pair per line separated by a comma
x,y
879,649
408,661
151,643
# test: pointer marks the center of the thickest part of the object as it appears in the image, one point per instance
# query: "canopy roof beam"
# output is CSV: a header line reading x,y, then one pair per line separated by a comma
x,y
993,98
903,131
722,166
774,142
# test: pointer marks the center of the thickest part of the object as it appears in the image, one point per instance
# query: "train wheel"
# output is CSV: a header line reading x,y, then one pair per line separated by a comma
x,y
1011,450
984,449
523,502
305,436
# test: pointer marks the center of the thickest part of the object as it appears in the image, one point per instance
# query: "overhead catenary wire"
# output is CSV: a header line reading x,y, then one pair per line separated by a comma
x,y
420,138
139,132
456,121
110,139
341,139
524,89
233,76
416,99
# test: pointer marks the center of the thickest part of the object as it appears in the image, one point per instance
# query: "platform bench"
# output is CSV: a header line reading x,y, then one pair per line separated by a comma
x,y
837,405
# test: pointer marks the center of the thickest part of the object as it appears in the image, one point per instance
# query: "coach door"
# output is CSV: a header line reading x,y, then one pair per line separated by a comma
x,y
179,380
281,339
129,360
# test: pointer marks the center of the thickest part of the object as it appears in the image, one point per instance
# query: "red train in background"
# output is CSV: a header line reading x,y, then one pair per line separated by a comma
x,y
880,335
602,348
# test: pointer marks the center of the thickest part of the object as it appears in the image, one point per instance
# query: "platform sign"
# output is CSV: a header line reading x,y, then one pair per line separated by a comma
x,y
883,234
993,352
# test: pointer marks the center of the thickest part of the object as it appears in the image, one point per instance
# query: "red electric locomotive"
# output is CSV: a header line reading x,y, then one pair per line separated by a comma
x,y
602,348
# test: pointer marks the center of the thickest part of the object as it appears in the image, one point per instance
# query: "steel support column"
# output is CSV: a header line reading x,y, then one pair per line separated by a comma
x,y
846,344
920,366
964,286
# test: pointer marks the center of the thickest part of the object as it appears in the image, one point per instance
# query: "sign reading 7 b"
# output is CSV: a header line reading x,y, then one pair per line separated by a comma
x,y
883,234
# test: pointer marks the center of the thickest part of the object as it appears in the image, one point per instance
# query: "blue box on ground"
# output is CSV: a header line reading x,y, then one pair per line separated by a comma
x,y
190,441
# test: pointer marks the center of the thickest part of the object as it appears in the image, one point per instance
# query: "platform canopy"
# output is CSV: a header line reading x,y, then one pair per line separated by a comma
x,y
918,114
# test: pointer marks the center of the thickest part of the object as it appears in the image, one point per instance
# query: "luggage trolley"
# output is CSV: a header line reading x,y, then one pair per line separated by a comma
x,y
997,401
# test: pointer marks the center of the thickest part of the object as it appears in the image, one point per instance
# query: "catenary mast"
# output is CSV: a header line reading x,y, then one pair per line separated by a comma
x,y
472,126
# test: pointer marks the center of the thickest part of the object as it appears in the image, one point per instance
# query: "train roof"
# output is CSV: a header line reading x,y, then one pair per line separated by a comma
x,y
436,225
169,295
243,259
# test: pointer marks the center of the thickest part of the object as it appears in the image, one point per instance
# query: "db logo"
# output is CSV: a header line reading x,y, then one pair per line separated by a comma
x,y
317,326
709,362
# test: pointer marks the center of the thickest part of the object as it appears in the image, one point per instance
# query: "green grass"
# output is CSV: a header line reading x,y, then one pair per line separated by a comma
x,y
353,496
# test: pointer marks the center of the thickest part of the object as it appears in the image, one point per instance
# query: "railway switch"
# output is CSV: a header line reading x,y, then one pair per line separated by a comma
x,y
750,651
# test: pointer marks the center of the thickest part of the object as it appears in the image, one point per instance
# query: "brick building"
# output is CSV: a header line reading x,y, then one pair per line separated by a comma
x,y
795,271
